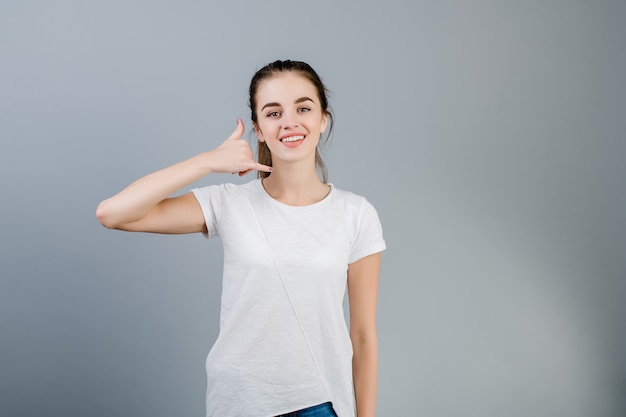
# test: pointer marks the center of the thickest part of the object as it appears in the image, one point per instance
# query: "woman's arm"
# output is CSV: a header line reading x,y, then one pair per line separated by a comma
x,y
144,206
363,292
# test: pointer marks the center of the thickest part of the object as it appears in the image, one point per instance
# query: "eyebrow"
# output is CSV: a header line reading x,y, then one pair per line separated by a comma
x,y
300,100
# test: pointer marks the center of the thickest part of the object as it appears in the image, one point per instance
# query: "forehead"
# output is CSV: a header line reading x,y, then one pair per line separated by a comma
x,y
285,87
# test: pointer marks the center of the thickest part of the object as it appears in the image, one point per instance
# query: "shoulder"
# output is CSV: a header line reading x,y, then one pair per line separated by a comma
x,y
351,201
220,197
225,190
347,197
364,224
223,201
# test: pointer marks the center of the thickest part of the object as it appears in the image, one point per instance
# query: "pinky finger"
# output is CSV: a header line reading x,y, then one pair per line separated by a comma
x,y
264,168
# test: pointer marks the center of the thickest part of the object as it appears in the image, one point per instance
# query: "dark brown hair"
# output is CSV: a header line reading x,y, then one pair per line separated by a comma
x,y
263,153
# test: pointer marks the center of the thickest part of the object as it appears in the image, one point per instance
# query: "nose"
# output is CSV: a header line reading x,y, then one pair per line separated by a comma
x,y
289,120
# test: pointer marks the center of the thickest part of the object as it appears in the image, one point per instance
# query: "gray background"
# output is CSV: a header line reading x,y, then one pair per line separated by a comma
x,y
489,135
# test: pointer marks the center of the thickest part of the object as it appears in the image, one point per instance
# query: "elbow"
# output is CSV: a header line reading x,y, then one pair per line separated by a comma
x,y
364,337
103,214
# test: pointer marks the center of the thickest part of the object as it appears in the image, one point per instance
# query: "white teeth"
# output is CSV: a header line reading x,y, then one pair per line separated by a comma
x,y
292,138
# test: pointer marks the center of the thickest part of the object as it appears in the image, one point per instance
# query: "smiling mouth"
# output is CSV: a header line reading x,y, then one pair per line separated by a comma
x,y
292,138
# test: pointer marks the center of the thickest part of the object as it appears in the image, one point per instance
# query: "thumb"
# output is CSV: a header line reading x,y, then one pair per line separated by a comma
x,y
238,132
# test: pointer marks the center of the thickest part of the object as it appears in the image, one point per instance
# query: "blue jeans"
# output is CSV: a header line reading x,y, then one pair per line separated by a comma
x,y
322,410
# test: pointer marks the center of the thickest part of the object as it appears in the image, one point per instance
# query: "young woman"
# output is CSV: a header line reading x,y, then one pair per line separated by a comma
x,y
291,243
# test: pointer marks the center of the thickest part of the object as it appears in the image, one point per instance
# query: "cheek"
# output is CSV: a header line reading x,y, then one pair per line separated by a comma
x,y
264,131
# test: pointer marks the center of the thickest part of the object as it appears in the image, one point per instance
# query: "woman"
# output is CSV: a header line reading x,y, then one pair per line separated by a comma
x,y
291,242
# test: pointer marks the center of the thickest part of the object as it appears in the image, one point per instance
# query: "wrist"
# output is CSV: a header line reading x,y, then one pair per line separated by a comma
x,y
205,161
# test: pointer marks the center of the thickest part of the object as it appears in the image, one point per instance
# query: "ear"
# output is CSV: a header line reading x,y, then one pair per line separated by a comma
x,y
324,123
258,132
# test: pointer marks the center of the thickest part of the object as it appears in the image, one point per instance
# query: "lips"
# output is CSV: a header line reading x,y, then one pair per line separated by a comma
x,y
294,138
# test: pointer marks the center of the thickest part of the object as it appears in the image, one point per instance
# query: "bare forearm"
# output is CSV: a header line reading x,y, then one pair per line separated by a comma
x,y
133,202
365,376
144,206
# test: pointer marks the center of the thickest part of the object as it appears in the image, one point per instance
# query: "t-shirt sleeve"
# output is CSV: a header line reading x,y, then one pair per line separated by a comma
x,y
369,236
210,199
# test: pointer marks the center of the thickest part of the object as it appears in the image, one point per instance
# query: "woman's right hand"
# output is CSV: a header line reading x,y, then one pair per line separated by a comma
x,y
235,156
144,205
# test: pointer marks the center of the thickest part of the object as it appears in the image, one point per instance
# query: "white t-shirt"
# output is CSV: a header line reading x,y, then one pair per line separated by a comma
x,y
283,343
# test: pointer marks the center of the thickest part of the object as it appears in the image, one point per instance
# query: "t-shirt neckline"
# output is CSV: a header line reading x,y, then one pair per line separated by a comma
x,y
280,203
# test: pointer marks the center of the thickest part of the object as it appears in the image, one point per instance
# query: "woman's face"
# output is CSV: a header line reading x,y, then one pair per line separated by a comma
x,y
289,117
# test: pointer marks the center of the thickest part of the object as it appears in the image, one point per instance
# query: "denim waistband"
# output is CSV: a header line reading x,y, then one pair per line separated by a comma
x,y
321,410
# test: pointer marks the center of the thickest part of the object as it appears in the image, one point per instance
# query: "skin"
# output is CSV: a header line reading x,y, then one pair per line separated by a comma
x,y
288,105
363,292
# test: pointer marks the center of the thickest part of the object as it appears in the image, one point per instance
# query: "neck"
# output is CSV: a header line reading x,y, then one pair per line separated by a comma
x,y
295,185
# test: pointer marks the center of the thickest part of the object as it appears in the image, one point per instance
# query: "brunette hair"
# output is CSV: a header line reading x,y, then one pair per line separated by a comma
x,y
263,153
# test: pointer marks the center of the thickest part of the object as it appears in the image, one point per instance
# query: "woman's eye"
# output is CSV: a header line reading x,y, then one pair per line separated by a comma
x,y
304,109
273,114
